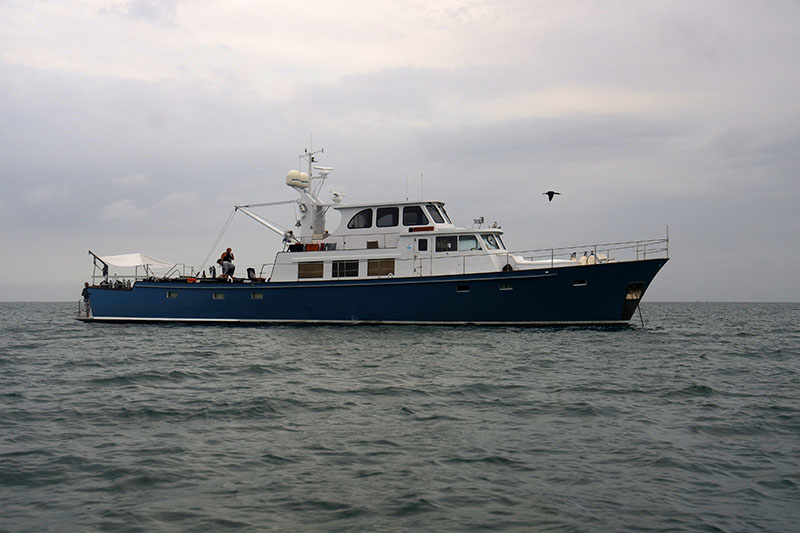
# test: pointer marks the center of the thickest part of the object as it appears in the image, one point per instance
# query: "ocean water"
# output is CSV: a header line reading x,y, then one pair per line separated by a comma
x,y
688,423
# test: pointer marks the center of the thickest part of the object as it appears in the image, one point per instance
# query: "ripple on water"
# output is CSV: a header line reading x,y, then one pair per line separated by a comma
x,y
687,423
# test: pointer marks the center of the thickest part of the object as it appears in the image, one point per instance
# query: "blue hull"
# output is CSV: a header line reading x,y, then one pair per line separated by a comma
x,y
596,294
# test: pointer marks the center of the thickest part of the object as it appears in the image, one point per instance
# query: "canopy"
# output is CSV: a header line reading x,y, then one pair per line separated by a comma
x,y
134,260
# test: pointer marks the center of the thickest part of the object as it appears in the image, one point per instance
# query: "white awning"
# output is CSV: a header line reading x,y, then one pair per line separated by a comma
x,y
134,260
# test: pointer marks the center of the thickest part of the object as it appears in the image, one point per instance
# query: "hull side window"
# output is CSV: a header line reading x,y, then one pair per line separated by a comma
x,y
344,269
380,267
311,269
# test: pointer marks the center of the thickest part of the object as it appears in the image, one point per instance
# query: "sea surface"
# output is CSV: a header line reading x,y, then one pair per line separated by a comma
x,y
688,423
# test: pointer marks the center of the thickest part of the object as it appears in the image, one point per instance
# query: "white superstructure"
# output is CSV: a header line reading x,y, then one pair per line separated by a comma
x,y
404,239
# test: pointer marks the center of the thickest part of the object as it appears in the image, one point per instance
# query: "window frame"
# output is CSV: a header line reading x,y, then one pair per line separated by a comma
x,y
345,268
309,269
444,239
444,212
435,213
353,218
486,236
465,238
394,212
419,212
380,267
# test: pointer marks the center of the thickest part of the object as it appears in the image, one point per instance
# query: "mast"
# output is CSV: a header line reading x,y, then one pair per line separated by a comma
x,y
312,209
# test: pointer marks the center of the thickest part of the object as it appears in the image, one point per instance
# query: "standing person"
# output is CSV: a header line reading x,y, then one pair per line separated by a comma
x,y
227,263
86,295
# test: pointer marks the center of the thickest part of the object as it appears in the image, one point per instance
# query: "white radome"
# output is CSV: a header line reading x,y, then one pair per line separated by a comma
x,y
297,179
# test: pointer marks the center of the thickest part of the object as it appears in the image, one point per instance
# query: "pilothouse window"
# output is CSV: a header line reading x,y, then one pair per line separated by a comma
x,y
437,216
468,243
362,219
413,216
387,217
490,242
446,244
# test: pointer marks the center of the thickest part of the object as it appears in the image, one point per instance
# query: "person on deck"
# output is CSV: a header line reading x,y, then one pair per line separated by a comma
x,y
227,264
86,295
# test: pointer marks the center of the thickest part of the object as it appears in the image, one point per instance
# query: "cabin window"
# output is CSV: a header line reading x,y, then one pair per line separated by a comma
x,y
499,240
467,243
437,216
422,245
506,286
413,216
462,288
490,241
310,269
380,267
172,295
362,219
441,207
218,296
344,269
446,244
256,295
387,217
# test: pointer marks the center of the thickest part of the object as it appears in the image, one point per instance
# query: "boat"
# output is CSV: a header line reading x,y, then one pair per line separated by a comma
x,y
386,263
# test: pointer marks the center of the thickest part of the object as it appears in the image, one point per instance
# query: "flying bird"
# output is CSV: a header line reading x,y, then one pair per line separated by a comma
x,y
550,195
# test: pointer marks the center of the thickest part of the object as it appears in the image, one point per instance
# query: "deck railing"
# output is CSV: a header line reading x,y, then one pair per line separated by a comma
x,y
616,251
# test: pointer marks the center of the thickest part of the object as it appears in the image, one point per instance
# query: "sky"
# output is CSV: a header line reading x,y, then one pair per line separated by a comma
x,y
137,125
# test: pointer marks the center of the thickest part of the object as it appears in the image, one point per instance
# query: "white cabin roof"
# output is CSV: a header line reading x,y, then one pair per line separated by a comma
x,y
342,207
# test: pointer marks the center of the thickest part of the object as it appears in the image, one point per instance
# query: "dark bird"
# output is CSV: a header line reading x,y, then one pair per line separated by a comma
x,y
550,195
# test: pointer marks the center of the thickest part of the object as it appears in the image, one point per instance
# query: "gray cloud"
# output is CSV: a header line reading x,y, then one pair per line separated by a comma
x,y
161,12
656,114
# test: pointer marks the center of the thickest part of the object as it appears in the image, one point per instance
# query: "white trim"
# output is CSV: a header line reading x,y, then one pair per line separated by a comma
x,y
357,282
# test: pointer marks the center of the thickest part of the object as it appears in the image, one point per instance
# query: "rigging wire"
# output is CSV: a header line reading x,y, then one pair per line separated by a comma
x,y
219,238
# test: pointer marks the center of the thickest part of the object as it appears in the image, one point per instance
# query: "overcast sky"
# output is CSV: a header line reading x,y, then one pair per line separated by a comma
x,y
135,126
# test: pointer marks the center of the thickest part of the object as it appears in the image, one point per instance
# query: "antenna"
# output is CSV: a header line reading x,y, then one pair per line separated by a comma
x,y
406,186
421,186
